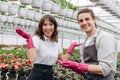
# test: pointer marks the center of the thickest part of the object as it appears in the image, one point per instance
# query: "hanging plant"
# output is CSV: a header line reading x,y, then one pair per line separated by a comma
x,y
22,6
65,4
4,0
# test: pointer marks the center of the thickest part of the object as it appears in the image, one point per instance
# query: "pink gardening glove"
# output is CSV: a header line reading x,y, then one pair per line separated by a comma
x,y
71,47
77,67
26,36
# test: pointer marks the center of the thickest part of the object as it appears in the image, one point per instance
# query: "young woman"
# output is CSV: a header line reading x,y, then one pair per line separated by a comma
x,y
98,52
43,50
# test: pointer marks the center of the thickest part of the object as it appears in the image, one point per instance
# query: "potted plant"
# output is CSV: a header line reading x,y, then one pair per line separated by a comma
x,y
3,18
33,24
75,15
69,24
59,21
55,8
16,21
22,12
64,23
63,11
30,14
47,5
13,9
69,13
26,2
27,23
37,4
4,6
22,22
37,16
10,19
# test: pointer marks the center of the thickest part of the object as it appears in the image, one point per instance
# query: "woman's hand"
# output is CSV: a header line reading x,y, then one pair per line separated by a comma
x,y
26,36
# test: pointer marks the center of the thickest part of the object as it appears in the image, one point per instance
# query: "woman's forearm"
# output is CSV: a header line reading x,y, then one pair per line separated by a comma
x,y
32,54
64,56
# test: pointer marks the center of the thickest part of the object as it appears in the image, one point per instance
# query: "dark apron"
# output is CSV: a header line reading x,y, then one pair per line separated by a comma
x,y
90,57
41,72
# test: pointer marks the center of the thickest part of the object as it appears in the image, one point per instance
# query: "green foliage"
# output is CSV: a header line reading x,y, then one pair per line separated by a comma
x,y
75,56
118,60
22,6
17,51
4,0
71,6
65,4
60,73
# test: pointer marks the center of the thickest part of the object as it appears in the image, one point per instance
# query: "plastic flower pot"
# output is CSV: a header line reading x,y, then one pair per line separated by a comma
x,y
63,12
33,24
9,19
73,25
27,23
37,4
30,15
75,15
21,78
22,22
47,5
76,26
64,23
3,18
69,13
37,16
22,12
4,6
13,9
21,75
59,21
55,8
26,2
11,75
69,24
3,73
16,21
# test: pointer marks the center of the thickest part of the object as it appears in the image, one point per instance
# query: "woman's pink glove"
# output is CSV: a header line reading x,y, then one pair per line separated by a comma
x,y
71,47
77,67
26,36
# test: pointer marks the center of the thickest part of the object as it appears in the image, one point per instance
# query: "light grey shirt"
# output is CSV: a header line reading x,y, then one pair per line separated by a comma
x,y
106,52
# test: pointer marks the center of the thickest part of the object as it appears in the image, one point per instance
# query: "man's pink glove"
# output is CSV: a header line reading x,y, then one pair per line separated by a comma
x,y
26,36
77,67
71,47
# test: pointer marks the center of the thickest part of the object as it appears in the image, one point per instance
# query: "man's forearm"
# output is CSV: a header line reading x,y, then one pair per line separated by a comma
x,y
95,69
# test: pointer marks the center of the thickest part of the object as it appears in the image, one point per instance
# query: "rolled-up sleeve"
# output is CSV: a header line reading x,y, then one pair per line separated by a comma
x,y
106,54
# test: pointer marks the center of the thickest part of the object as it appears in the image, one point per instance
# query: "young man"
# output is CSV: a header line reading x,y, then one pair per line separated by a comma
x,y
98,52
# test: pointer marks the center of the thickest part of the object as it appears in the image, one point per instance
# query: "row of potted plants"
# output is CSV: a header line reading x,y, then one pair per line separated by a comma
x,y
14,65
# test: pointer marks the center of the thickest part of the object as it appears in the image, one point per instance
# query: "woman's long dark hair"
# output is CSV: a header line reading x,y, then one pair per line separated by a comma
x,y
39,30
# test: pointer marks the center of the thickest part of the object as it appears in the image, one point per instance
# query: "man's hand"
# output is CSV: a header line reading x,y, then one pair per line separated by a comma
x,y
77,67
